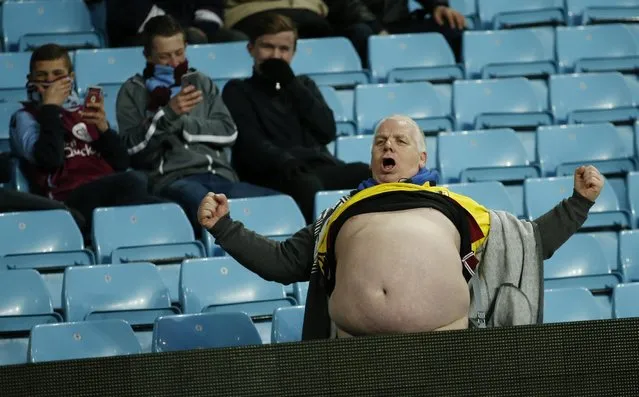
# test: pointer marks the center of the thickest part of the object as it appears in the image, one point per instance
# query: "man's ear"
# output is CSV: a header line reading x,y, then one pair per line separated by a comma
x,y
423,156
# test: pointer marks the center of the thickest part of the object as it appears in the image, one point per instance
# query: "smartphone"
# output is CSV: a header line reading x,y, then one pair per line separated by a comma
x,y
94,95
189,79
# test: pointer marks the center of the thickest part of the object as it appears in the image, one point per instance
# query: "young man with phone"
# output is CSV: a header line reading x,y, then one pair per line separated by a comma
x,y
176,126
68,150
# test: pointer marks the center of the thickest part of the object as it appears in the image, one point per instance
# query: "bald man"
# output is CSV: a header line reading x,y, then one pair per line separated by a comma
x,y
397,254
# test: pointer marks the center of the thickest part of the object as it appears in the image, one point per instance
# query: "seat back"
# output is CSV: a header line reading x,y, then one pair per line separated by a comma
x,y
580,12
66,341
581,255
325,55
326,199
221,61
138,225
107,66
570,304
632,183
496,14
204,331
276,215
491,194
287,324
624,300
354,148
629,254
13,79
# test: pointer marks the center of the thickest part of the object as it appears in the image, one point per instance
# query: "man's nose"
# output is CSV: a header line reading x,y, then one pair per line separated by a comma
x,y
174,62
277,54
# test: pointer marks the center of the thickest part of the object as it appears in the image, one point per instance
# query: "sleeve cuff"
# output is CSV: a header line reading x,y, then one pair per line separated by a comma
x,y
221,226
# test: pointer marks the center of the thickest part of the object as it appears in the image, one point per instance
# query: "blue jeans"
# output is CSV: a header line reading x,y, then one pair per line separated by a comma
x,y
189,191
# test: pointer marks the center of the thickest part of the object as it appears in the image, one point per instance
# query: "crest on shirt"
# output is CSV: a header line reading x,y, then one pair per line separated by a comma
x,y
81,132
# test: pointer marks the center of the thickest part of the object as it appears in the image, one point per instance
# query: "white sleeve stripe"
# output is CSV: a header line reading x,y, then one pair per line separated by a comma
x,y
210,138
208,16
149,134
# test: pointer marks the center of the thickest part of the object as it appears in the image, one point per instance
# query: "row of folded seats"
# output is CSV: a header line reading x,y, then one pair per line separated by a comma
x,y
27,24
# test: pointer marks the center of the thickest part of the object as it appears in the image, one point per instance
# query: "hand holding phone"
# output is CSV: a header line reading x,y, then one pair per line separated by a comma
x,y
93,97
189,79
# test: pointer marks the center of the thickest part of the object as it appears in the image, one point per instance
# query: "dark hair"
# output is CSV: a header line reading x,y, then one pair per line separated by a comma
x,y
162,25
271,23
50,52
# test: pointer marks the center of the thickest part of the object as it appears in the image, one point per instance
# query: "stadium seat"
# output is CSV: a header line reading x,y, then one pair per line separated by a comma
x,y
7,109
29,24
326,199
401,58
508,53
609,242
491,194
561,149
468,8
110,93
287,324
597,48
542,194
508,102
625,300
629,255
580,262
356,148
483,155
157,233
277,217
67,341
14,68
223,285
300,293
329,61
570,304
418,100
107,67
343,119
591,98
204,331
504,14
632,184
586,12
221,61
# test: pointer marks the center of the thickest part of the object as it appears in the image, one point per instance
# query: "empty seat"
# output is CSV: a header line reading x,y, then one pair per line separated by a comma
x,y
507,53
356,148
418,100
67,341
327,199
502,14
401,58
343,118
491,194
591,98
629,254
561,149
29,24
542,194
597,49
156,233
13,79
107,67
329,61
223,285
287,324
584,12
204,331
632,184
483,155
508,102
221,61
570,304
625,300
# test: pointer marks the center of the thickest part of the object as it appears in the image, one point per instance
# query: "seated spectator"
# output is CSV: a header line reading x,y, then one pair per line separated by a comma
x,y
68,151
392,17
176,131
203,19
284,124
400,255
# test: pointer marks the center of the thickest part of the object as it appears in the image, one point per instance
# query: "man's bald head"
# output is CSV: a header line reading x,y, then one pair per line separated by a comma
x,y
401,121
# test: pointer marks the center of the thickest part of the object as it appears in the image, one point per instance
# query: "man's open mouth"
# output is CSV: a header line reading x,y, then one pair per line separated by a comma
x,y
388,164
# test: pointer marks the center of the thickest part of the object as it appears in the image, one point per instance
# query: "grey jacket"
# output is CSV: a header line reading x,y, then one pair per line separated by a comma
x,y
167,146
293,260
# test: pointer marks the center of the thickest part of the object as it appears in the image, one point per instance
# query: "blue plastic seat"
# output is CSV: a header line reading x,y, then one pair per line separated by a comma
x,y
326,199
287,324
223,285
629,255
221,61
7,109
585,12
343,118
86,339
542,194
597,48
491,194
418,100
329,61
156,233
625,300
468,8
110,93
570,304
355,148
14,68
592,98
300,291
508,102
632,184
561,149
107,66
503,14
29,24
483,155
580,262
401,58
508,53
204,331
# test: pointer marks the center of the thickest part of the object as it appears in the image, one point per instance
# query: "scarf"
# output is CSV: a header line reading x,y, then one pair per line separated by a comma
x,y
163,82
71,104
423,175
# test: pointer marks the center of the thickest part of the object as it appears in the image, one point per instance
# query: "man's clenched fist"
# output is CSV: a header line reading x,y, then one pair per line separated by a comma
x,y
588,182
212,208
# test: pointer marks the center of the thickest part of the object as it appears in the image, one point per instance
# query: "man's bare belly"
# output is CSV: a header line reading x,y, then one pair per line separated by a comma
x,y
398,272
